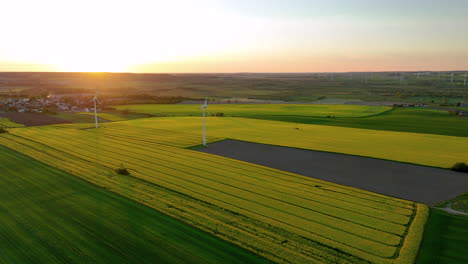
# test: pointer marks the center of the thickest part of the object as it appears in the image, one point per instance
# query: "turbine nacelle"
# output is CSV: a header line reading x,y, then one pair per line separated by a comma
x,y
205,105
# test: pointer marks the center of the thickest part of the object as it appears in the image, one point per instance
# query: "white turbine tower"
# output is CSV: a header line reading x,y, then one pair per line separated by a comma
x,y
451,80
204,107
466,75
96,100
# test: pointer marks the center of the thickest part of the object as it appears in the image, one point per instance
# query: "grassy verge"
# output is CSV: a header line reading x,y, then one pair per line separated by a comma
x,y
459,203
423,149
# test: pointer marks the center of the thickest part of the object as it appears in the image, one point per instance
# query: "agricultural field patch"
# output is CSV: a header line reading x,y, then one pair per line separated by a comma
x,y
105,116
63,219
124,131
421,184
445,239
416,120
282,216
258,110
423,149
6,123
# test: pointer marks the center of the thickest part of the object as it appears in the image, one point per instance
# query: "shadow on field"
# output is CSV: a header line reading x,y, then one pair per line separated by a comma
x,y
411,182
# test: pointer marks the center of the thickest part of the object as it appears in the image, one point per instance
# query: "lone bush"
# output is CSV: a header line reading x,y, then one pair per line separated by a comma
x,y
460,167
122,170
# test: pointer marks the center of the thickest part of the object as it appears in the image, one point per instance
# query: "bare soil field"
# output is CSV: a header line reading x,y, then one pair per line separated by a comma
x,y
412,182
32,119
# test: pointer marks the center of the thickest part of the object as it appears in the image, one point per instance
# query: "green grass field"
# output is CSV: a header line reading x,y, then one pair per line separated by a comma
x,y
278,215
400,119
258,109
5,122
74,118
105,116
50,216
424,149
445,239
416,120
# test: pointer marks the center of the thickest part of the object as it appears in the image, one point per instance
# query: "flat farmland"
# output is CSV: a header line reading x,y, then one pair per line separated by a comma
x,y
124,131
445,239
50,216
422,149
407,181
279,215
5,122
258,110
415,120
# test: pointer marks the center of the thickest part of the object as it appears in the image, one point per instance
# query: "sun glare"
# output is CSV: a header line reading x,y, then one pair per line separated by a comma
x,y
80,38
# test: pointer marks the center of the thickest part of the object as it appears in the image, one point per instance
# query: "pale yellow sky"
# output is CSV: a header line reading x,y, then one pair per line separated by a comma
x,y
233,36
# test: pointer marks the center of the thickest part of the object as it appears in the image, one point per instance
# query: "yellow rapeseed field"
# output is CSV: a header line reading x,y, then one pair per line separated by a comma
x,y
257,109
5,122
279,215
424,149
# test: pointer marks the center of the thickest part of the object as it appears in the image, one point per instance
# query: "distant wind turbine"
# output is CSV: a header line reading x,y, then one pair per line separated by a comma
x,y
204,107
466,75
96,100
451,80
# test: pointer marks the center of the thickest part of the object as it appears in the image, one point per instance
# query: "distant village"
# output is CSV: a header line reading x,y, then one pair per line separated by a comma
x,y
47,104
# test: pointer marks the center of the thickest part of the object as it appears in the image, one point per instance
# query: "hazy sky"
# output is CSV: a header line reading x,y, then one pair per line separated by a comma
x,y
233,35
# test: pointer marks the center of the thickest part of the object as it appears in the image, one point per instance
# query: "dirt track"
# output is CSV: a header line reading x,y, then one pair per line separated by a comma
x,y
412,182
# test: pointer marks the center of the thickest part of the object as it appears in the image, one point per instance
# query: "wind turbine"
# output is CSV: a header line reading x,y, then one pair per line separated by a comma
x,y
95,99
451,80
204,107
466,75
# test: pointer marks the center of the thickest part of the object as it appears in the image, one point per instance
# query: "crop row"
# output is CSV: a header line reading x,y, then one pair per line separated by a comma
x,y
151,134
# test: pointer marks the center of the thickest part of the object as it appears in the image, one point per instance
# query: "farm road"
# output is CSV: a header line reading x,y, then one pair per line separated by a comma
x,y
411,182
